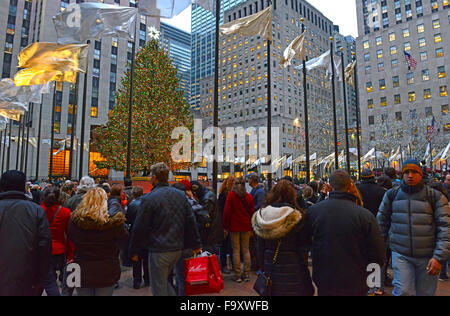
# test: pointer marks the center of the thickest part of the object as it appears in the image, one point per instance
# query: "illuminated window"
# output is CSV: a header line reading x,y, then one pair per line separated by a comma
x,y
444,109
382,84
383,101
393,50
427,94
366,45
395,82
370,104
397,99
410,78
406,33
378,41
407,46
422,42
437,38
392,37
379,53
443,91
369,87
412,96
420,28
441,72
439,52
425,75
436,24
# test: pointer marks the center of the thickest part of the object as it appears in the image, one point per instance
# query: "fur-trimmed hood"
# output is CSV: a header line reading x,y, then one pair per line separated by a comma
x,y
272,222
88,223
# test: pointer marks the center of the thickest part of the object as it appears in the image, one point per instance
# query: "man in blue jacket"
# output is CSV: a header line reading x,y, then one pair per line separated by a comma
x,y
415,218
258,193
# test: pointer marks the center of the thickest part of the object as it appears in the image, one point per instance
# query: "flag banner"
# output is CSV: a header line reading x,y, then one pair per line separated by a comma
x,y
324,62
288,163
427,152
410,61
209,5
350,74
9,92
257,24
437,158
446,152
396,156
45,62
296,50
369,155
83,21
12,110
3,122
166,9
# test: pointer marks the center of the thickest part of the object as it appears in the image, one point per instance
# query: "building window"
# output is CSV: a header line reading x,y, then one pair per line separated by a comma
x,y
425,75
436,24
406,33
366,45
383,101
407,46
382,84
426,94
422,42
439,52
394,63
443,91
444,109
381,67
370,104
391,37
437,38
412,96
369,87
395,82
441,72
371,120
423,56
398,116
410,78
420,28
397,99
393,50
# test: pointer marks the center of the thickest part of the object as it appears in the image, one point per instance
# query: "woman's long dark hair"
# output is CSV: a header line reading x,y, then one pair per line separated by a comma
x,y
283,192
51,197
239,187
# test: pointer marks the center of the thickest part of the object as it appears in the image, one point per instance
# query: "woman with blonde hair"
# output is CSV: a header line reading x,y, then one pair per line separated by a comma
x,y
98,238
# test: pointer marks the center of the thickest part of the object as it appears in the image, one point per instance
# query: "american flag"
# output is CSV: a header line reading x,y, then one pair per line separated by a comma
x,y
432,130
410,60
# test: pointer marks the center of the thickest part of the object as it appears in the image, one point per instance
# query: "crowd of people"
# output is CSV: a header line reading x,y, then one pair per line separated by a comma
x,y
339,226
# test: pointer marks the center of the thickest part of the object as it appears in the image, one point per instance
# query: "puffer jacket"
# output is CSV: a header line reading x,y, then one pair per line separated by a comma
x,y
290,275
97,247
25,245
164,222
413,227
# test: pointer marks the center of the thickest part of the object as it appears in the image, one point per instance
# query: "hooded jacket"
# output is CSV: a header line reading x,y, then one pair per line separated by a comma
x,y
414,228
97,247
346,239
372,195
75,200
25,245
290,274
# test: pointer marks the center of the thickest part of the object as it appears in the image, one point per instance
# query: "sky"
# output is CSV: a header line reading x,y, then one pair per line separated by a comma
x,y
341,12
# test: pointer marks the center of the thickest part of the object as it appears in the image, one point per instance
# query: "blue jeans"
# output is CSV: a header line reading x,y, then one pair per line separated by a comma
x,y
411,278
179,272
106,291
161,264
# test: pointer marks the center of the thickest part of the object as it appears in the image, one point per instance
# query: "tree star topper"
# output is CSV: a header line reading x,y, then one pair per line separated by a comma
x,y
153,33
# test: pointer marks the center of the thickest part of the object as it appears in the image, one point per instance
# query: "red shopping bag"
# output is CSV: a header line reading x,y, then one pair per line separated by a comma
x,y
202,276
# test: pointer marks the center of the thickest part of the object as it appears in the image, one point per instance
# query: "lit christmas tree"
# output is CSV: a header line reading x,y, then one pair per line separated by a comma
x,y
159,107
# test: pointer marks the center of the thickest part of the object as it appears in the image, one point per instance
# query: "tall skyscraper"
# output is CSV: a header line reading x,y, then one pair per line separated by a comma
x,y
399,99
27,22
243,80
178,44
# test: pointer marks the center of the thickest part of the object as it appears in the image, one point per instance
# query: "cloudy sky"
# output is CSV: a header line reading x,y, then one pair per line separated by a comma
x,y
341,12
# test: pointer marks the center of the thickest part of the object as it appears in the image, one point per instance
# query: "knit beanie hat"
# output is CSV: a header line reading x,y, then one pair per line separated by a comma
x,y
12,181
412,164
367,174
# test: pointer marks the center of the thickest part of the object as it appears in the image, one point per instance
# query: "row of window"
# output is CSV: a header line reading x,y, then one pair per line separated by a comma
x,y
412,116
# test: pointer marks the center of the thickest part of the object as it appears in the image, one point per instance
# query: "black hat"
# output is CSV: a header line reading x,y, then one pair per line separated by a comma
x,y
13,181
367,174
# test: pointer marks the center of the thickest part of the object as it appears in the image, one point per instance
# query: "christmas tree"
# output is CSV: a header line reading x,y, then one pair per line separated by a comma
x,y
158,107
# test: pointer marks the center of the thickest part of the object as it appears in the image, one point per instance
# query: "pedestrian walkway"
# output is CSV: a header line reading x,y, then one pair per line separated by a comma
x,y
232,288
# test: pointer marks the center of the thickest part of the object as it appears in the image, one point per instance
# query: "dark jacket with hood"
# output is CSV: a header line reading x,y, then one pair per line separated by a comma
x,y
346,239
25,245
97,247
164,222
290,275
114,206
413,227
372,195
214,234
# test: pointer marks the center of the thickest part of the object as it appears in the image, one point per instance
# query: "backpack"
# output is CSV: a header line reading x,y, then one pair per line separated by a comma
x,y
202,216
430,196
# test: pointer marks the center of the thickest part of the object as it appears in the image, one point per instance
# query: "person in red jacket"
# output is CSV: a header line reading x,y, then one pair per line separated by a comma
x,y
62,248
237,214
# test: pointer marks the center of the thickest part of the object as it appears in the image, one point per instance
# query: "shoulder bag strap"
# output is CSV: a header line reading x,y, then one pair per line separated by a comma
x,y
275,259
246,205
56,214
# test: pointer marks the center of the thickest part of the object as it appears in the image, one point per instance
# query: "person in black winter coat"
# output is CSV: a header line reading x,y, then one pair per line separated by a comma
x,y
372,194
165,225
346,239
280,223
214,235
25,239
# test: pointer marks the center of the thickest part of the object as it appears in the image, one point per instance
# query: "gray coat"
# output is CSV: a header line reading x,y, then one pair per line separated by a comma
x,y
413,227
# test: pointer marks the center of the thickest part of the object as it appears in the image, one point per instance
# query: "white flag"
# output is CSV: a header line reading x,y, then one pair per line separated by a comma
x,y
209,5
83,21
295,50
324,62
446,152
427,152
257,24
350,74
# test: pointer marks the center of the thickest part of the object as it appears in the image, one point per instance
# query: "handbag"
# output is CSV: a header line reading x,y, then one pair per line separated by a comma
x,y
263,284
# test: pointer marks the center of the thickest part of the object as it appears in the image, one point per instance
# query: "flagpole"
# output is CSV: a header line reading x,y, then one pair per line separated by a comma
x,y
305,107
18,142
130,105
431,156
336,153
72,133
2,147
28,138
358,142
52,138
216,102
38,152
345,113
269,111
8,157
64,167
83,118
22,150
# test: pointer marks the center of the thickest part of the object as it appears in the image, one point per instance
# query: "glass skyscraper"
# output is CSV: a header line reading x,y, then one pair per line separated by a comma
x,y
178,44
203,45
